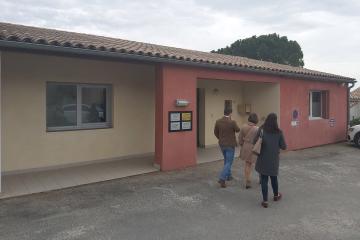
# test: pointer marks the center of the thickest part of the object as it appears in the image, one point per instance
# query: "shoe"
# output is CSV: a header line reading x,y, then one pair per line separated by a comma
x,y
265,204
278,197
222,183
230,178
247,186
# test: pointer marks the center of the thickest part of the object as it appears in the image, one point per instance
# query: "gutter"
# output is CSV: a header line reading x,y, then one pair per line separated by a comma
x,y
35,47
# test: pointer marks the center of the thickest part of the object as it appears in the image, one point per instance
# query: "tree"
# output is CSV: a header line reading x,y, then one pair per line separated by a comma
x,y
271,47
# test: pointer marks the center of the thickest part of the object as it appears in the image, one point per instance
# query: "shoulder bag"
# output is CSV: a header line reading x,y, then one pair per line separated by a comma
x,y
257,147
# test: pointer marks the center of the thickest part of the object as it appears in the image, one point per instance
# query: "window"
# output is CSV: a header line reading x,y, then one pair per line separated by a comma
x,y
77,106
319,104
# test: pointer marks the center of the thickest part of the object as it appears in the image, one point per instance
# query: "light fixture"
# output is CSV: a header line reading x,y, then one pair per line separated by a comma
x,y
181,102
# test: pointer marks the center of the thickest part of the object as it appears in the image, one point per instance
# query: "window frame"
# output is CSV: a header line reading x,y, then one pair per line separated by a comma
x,y
324,112
311,117
79,125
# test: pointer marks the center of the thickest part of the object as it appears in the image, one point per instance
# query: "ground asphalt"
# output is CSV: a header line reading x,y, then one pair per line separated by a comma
x,y
321,200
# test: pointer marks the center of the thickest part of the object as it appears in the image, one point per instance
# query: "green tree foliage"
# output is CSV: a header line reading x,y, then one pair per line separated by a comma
x,y
354,122
272,48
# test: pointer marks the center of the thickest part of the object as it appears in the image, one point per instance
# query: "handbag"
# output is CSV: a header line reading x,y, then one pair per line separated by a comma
x,y
257,147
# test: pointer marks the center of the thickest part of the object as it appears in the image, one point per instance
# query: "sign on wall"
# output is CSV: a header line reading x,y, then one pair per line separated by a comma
x,y
295,118
332,122
180,121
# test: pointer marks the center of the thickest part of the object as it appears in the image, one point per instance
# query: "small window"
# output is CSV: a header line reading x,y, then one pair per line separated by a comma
x,y
77,106
319,104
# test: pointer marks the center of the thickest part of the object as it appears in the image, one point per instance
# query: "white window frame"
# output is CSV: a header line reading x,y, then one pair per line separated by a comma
x,y
80,125
311,107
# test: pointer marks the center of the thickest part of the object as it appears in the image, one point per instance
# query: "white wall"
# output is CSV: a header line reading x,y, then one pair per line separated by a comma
x,y
355,111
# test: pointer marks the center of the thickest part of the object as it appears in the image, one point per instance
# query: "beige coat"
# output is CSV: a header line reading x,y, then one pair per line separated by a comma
x,y
246,138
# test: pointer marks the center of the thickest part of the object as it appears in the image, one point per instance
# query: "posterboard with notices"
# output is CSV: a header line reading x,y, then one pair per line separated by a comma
x,y
180,121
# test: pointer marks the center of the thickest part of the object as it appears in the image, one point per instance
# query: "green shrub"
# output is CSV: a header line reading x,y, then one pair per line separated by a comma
x,y
355,121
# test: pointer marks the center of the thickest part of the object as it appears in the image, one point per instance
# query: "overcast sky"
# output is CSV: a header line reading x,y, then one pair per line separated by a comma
x,y
328,30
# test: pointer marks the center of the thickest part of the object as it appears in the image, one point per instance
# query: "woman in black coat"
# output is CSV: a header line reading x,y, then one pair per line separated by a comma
x,y
267,164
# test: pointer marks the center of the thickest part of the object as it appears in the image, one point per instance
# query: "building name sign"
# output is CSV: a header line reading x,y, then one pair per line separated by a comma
x,y
180,121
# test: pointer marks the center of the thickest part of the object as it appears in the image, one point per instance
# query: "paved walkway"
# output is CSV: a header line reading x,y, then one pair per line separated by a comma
x,y
42,181
321,188
48,180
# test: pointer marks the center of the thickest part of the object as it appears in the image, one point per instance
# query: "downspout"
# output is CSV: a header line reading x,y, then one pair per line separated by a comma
x,y
349,86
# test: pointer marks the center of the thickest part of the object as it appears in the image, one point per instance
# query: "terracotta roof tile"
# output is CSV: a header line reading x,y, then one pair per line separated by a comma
x,y
26,34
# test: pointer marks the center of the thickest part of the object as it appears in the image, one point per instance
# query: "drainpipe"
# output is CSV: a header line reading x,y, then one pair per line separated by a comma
x,y
349,86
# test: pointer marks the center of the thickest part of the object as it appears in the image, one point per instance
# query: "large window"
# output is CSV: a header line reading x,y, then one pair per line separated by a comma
x,y
77,106
319,104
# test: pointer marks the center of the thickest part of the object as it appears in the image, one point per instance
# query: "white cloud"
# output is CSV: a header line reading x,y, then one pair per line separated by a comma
x,y
326,30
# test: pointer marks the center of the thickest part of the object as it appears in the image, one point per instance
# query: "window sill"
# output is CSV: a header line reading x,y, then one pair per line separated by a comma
x,y
65,129
315,118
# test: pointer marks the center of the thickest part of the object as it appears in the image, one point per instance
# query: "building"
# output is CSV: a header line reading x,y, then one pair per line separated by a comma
x,y
70,98
355,104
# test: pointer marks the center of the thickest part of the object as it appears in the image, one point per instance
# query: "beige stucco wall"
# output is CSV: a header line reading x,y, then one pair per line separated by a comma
x,y
215,102
263,97
28,145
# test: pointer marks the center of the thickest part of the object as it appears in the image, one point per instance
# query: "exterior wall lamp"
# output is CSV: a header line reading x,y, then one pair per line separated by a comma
x,y
181,102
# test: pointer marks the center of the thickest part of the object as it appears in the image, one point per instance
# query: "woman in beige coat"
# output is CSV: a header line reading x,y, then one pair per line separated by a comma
x,y
246,138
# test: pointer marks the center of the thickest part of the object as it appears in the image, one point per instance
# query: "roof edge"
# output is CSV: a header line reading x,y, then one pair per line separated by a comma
x,y
14,45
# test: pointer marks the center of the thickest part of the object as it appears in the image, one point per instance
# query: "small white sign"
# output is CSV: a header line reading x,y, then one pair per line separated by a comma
x,y
175,126
332,122
174,117
294,123
186,126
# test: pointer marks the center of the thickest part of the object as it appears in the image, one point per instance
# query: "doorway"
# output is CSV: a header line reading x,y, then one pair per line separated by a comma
x,y
200,117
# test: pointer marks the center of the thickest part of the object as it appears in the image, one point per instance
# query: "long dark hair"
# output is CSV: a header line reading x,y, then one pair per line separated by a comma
x,y
271,125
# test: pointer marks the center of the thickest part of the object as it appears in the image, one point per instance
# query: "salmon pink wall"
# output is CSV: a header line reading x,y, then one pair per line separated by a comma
x,y
174,150
178,150
294,94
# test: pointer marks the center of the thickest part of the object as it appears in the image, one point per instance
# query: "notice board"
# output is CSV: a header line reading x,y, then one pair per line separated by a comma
x,y
180,121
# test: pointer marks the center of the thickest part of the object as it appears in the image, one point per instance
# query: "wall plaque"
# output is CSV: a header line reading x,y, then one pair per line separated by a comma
x,y
186,125
175,117
186,116
175,126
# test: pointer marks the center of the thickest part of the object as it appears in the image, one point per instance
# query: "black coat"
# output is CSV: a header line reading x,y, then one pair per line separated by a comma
x,y
268,160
